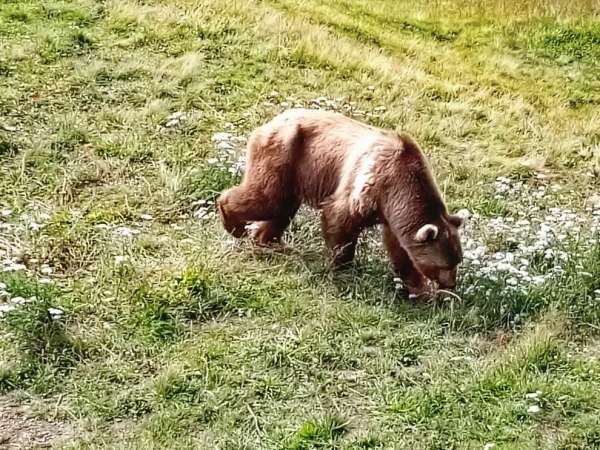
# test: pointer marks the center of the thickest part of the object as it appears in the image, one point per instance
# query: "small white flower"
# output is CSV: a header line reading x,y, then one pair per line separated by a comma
x,y
512,281
146,217
489,446
127,232
6,308
464,213
534,395
212,160
202,213
174,119
253,226
35,226
534,409
55,312
14,267
177,115
120,259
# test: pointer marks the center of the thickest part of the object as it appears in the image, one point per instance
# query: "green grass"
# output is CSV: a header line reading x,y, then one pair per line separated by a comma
x,y
177,337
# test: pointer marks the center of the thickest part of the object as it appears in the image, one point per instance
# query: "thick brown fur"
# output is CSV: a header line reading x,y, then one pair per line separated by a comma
x,y
358,176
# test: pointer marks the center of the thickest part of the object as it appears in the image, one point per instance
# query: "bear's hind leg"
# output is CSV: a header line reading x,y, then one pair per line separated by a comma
x,y
243,204
266,192
415,282
232,218
270,231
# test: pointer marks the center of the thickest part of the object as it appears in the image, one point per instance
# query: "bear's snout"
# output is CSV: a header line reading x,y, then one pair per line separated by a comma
x,y
447,279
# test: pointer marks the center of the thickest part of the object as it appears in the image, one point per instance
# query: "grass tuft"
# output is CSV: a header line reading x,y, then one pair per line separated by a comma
x,y
318,433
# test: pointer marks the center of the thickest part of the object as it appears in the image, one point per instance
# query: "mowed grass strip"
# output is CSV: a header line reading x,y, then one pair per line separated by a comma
x,y
174,336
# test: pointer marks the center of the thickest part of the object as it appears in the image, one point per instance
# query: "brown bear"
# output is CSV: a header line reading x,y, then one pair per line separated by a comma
x,y
359,176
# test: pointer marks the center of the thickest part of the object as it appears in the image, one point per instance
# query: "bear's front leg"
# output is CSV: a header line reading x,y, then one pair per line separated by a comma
x,y
341,233
416,283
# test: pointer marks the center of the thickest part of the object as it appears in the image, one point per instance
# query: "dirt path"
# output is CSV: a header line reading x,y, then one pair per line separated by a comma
x,y
20,429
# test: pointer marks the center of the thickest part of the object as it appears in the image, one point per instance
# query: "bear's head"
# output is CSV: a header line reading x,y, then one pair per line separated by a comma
x,y
436,251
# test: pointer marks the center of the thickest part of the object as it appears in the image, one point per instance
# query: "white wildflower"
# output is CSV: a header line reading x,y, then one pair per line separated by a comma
x,y
464,214
127,232
121,259
55,312
6,308
534,409
253,226
219,137
35,226
533,395
14,267
175,119
176,115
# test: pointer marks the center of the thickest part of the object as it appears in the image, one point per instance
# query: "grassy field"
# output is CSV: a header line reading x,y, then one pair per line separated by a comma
x,y
129,319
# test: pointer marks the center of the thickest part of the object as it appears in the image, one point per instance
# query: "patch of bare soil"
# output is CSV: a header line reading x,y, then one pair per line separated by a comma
x,y
20,429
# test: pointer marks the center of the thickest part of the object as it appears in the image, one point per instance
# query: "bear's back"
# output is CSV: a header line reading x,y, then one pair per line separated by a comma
x,y
324,148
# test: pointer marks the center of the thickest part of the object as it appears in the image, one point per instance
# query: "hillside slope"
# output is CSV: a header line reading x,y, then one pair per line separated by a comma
x,y
128,319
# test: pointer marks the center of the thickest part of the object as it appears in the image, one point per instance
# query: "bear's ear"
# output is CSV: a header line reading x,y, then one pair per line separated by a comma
x,y
455,220
426,233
